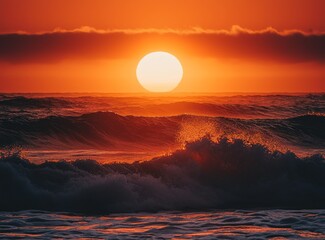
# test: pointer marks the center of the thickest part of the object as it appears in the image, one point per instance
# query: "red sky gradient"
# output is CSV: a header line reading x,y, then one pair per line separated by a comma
x,y
224,46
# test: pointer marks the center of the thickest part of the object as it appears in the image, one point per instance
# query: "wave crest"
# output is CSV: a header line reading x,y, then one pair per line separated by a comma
x,y
108,130
205,174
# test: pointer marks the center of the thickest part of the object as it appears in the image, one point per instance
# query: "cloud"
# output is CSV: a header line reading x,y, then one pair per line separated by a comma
x,y
89,43
204,175
235,30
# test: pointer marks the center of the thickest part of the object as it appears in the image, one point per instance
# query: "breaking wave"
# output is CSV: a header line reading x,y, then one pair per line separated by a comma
x,y
113,131
204,175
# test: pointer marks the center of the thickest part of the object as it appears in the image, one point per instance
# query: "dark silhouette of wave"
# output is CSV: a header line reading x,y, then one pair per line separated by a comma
x,y
307,129
100,129
110,130
204,175
34,103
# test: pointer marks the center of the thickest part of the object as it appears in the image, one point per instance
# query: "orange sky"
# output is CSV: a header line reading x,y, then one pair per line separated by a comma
x,y
40,15
52,56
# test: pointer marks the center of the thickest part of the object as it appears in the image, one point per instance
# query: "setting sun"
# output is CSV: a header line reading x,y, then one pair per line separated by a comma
x,y
164,119
159,72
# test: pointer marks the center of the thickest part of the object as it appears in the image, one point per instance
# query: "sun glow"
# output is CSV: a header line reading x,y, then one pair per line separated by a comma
x,y
159,72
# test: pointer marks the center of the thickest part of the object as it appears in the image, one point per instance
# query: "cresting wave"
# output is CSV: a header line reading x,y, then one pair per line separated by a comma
x,y
204,175
112,131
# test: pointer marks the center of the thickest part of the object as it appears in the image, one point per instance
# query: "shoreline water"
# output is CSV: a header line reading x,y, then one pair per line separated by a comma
x,y
272,224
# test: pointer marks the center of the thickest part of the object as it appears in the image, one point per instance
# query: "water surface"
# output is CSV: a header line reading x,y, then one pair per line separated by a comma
x,y
239,224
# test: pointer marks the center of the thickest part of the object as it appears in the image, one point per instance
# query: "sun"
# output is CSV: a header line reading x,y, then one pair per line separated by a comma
x,y
159,72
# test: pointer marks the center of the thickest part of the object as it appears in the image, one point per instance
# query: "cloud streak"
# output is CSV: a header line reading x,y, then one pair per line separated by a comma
x,y
89,43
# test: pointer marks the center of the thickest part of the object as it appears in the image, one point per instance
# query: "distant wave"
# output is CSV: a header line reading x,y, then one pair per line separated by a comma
x,y
256,106
34,103
204,175
239,110
113,131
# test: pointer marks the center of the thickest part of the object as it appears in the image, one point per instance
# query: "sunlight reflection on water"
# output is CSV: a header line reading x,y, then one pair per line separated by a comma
x,y
271,224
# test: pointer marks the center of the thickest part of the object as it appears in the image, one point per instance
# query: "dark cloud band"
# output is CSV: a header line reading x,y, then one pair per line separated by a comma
x,y
87,43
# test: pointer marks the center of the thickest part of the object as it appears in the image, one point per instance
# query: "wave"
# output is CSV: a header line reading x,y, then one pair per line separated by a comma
x,y
34,103
100,129
239,106
112,131
204,175
226,109
308,128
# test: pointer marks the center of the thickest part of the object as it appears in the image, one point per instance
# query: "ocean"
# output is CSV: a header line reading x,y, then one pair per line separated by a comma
x,y
181,166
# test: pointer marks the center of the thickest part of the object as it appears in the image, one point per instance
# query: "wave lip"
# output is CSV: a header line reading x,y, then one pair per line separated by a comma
x,y
204,175
108,130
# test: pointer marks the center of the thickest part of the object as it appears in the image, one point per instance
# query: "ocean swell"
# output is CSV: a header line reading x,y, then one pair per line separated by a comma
x,y
107,130
97,130
34,103
204,175
237,106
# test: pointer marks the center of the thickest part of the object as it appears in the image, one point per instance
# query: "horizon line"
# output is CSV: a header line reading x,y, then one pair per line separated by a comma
x,y
173,93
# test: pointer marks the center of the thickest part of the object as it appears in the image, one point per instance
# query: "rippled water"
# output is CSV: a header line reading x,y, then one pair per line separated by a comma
x,y
259,224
